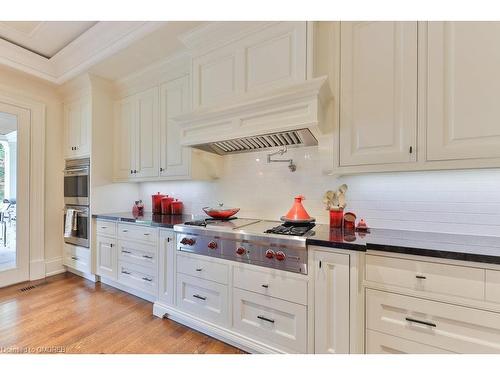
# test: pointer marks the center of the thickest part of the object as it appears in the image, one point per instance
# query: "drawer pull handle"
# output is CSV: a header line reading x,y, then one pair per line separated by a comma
x,y
104,227
74,258
146,234
265,286
265,319
421,277
126,252
199,297
125,272
411,320
147,279
147,256
199,269
124,231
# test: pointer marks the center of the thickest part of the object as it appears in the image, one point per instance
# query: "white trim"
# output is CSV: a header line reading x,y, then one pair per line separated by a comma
x,y
127,289
85,275
54,266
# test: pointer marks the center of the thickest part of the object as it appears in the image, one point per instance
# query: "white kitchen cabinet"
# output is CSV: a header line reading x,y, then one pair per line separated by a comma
x,y
136,136
331,302
77,124
378,93
167,267
78,258
175,160
270,57
107,257
462,88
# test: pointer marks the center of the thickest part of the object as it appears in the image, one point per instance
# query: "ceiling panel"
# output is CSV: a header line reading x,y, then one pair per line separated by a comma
x,y
46,38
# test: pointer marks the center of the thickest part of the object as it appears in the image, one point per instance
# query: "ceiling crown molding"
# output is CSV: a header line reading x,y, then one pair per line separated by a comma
x,y
99,42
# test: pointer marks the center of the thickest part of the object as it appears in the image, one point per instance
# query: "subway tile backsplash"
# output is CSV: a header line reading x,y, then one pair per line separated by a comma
x,y
464,201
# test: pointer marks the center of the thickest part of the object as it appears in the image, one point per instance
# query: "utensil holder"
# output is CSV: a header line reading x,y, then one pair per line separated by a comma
x,y
336,218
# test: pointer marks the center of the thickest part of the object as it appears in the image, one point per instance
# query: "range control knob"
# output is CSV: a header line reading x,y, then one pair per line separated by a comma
x,y
280,255
187,241
212,245
269,254
241,251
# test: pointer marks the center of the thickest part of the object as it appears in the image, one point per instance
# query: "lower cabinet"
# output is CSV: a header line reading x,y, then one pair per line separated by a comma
x,y
166,275
77,257
107,260
331,302
381,343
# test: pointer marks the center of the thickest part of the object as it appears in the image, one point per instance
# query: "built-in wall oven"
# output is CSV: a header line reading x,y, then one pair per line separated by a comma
x,y
77,182
81,232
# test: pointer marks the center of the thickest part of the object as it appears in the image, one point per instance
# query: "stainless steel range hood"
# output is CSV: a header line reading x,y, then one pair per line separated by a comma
x,y
293,138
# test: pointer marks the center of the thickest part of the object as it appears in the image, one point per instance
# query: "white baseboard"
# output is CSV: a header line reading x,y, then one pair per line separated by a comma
x,y
85,275
37,269
220,333
135,292
54,266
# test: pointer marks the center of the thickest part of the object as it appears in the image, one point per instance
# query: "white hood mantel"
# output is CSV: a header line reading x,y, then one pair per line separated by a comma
x,y
298,106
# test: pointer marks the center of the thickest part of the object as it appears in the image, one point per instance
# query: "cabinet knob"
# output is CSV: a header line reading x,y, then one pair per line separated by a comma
x,y
162,169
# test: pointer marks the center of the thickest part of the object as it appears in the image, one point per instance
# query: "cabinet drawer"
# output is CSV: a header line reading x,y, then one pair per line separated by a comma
x,y
137,233
106,228
273,321
380,343
492,292
77,258
459,281
204,299
138,253
204,268
138,277
271,283
446,326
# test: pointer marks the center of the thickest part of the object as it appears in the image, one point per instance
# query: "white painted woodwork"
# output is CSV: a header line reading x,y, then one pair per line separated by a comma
x,y
147,133
462,86
492,292
273,283
268,58
203,267
205,299
77,128
331,302
124,145
77,257
106,228
414,275
138,277
175,160
107,257
144,255
458,329
381,343
378,93
287,328
134,232
167,267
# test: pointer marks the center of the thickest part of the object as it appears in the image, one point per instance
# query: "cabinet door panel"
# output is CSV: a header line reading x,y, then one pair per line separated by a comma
x,y
124,145
331,307
147,133
378,100
83,147
167,267
463,84
174,100
107,261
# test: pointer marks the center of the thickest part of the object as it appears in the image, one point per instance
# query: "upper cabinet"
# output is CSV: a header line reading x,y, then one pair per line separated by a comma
x,y
378,93
267,56
77,124
463,115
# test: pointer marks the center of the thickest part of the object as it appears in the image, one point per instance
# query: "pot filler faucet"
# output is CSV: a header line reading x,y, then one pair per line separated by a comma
x,y
282,151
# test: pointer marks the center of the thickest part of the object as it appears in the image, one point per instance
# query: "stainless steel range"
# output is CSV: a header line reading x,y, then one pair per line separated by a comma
x,y
259,242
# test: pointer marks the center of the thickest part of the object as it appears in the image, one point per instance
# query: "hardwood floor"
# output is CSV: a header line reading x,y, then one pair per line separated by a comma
x,y
66,313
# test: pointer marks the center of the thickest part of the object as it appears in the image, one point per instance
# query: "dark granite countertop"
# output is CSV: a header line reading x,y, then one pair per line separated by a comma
x,y
163,221
473,248
483,249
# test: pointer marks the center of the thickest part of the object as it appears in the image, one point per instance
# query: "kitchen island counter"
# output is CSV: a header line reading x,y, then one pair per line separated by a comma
x,y
153,220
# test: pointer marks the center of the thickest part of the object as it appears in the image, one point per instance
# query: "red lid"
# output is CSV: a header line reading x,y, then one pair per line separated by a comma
x,y
298,212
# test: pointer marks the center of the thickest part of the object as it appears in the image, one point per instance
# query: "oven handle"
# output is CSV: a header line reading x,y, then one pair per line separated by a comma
x,y
76,171
80,212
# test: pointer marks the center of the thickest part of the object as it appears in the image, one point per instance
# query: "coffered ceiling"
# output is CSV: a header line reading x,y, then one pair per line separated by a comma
x,y
60,50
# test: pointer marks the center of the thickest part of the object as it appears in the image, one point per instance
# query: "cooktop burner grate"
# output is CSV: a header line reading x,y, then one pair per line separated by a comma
x,y
290,229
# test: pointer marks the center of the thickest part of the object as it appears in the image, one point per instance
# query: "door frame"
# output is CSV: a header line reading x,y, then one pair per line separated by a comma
x,y
37,120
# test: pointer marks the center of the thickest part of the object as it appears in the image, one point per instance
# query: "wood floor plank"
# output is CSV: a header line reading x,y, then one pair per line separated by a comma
x,y
69,312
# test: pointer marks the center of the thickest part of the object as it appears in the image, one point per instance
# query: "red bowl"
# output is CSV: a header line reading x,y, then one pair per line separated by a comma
x,y
220,214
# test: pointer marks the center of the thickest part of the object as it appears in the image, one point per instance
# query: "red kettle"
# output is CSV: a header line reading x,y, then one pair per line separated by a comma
x,y
298,213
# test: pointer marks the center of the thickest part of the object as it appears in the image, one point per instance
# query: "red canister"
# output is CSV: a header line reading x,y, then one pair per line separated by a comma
x,y
176,207
156,203
166,202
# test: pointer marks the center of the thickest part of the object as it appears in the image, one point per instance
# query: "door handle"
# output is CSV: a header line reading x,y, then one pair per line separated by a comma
x,y
265,319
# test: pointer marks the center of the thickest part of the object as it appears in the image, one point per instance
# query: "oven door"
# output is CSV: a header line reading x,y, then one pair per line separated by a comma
x,y
80,237
76,186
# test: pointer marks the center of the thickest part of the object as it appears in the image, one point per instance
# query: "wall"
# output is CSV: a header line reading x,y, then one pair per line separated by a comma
x,y
466,201
22,84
